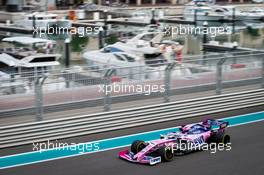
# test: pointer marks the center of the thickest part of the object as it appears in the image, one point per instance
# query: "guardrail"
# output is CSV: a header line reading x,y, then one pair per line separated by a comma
x,y
28,133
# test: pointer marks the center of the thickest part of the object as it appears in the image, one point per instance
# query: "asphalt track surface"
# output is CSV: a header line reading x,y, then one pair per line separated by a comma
x,y
246,156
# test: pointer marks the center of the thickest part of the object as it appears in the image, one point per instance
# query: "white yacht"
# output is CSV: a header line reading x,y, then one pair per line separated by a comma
x,y
23,55
30,60
31,53
255,14
204,12
230,11
42,20
24,66
140,48
141,43
110,57
29,42
139,52
143,17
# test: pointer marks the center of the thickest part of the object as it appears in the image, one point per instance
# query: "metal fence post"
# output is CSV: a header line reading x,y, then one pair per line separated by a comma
x,y
12,80
73,84
167,85
39,97
218,79
107,101
219,76
142,74
167,81
130,73
107,90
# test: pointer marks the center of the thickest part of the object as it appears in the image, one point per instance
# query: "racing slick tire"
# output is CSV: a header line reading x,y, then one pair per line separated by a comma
x,y
137,146
226,139
166,154
212,139
222,138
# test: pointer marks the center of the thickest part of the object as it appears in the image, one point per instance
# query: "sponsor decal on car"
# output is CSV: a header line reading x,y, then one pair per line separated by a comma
x,y
155,160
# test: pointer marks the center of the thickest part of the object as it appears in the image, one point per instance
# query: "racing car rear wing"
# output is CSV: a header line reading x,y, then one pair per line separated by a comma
x,y
216,123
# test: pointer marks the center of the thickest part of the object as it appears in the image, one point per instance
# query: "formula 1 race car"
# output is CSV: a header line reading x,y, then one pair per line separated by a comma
x,y
190,137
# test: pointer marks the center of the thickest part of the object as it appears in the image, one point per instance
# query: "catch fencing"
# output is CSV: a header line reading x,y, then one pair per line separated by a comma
x,y
42,90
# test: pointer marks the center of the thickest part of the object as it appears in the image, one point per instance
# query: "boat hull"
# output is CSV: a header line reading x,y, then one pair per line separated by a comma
x,y
203,17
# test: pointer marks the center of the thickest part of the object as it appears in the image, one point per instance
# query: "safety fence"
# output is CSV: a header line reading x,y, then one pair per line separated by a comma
x,y
42,91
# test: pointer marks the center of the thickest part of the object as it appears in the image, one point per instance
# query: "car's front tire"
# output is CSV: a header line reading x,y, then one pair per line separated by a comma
x,y
166,154
137,146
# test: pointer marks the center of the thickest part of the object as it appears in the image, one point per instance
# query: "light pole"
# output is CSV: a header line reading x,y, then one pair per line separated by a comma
x,y
233,20
195,18
205,25
34,25
105,25
67,52
100,37
153,21
67,60
205,32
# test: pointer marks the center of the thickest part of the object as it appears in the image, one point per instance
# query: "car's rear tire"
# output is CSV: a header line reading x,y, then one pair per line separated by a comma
x,y
137,146
226,139
213,138
222,138
166,154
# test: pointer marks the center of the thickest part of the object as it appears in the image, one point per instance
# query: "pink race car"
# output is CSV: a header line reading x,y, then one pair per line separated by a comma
x,y
190,137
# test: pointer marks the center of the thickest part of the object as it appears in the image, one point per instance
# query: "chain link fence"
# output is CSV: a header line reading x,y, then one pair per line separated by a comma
x,y
110,84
